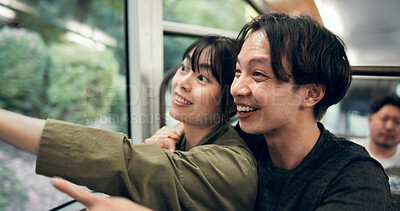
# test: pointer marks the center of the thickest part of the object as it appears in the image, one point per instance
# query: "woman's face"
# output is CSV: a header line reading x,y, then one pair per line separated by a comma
x,y
196,95
264,103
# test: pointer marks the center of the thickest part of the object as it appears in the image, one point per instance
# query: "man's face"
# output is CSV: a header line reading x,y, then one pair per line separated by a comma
x,y
264,103
385,126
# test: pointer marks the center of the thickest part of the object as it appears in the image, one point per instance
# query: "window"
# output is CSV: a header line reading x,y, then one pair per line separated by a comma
x,y
349,118
63,60
220,14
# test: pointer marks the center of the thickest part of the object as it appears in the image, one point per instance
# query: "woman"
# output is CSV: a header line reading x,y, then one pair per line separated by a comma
x,y
214,168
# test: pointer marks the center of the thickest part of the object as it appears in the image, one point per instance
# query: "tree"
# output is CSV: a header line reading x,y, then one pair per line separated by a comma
x,y
24,63
81,83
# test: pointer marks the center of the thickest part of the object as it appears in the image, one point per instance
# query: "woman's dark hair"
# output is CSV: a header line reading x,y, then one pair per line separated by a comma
x,y
221,52
379,102
314,54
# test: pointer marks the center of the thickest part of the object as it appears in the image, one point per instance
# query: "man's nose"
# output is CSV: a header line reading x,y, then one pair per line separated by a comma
x,y
240,87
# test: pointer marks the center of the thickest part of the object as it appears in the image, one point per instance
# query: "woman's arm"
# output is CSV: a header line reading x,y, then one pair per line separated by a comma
x,y
108,162
96,203
20,131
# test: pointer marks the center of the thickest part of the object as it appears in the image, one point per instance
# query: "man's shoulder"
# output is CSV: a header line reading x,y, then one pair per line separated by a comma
x,y
345,147
338,153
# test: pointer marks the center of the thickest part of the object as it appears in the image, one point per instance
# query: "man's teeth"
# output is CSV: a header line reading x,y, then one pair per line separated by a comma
x,y
245,108
181,100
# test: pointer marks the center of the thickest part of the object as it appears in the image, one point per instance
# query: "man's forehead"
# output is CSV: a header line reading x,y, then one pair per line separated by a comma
x,y
255,49
257,43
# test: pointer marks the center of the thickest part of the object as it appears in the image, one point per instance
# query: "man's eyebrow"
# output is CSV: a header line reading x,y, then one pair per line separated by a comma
x,y
258,60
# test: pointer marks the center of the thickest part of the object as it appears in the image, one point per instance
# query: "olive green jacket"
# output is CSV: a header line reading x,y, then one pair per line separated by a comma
x,y
220,174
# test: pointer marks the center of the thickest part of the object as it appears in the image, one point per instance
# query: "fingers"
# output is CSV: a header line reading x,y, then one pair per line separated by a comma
x,y
84,197
167,143
150,141
178,129
166,137
165,132
163,143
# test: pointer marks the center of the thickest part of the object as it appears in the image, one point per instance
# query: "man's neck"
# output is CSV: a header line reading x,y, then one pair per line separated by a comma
x,y
289,146
194,133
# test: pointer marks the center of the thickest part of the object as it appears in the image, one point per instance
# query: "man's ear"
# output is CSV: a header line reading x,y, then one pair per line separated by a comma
x,y
314,94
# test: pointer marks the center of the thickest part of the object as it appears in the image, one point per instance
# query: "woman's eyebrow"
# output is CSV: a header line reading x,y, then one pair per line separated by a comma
x,y
204,65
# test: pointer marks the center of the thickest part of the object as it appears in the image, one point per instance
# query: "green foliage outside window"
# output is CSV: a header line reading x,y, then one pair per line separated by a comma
x,y
222,14
24,61
81,83
64,81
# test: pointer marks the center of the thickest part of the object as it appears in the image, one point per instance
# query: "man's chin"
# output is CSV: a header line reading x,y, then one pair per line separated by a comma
x,y
386,144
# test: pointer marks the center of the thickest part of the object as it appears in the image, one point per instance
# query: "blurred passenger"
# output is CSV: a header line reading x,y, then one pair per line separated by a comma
x,y
384,122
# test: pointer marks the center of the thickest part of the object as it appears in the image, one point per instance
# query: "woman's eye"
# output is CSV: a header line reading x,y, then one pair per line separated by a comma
x,y
203,78
183,68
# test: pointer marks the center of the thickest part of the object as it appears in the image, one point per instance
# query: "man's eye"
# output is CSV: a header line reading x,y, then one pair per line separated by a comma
x,y
259,74
384,119
203,78
237,71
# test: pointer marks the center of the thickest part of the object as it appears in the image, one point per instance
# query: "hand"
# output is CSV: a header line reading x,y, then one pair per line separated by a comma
x,y
96,203
167,138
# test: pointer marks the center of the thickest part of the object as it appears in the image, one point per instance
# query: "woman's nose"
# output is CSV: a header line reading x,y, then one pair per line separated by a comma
x,y
185,82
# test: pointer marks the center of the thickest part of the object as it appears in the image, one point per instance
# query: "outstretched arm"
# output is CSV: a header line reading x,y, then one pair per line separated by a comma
x,y
94,202
20,131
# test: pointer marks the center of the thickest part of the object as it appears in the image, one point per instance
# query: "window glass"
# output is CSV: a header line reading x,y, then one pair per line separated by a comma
x,y
223,14
174,47
349,118
59,59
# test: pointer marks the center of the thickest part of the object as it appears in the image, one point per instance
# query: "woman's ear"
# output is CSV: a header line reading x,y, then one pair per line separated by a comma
x,y
314,93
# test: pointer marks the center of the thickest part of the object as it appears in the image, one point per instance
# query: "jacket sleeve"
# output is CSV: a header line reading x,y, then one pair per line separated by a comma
x,y
205,178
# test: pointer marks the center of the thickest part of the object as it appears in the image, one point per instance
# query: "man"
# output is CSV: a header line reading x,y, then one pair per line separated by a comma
x,y
289,71
384,122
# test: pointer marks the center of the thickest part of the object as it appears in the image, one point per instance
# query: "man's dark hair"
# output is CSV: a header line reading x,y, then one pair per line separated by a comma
x,y
221,53
379,102
314,54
